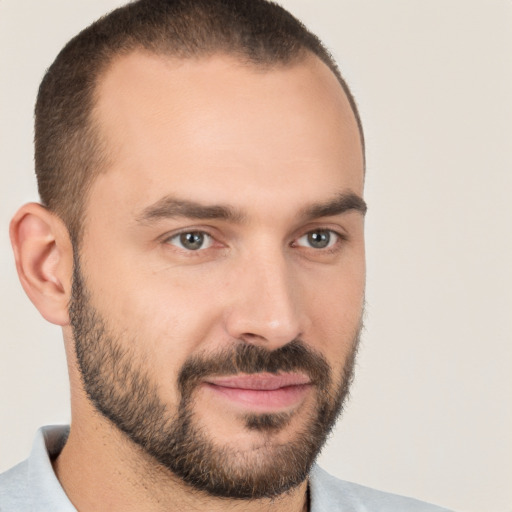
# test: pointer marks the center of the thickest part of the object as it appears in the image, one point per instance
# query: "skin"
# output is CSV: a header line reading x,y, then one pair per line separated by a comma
x,y
268,144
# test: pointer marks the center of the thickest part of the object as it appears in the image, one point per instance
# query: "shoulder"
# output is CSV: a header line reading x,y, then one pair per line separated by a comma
x,y
32,484
329,494
13,489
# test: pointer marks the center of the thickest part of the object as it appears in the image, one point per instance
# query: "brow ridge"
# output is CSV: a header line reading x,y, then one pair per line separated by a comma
x,y
171,207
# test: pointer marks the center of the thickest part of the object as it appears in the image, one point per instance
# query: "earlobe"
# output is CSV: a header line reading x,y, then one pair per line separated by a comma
x,y
44,260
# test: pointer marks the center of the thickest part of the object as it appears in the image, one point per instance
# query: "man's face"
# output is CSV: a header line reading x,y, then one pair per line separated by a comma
x,y
218,297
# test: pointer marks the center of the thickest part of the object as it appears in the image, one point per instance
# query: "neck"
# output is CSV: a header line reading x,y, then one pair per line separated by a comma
x,y
101,470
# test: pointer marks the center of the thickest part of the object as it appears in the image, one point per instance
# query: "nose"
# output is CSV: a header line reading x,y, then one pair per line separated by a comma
x,y
266,307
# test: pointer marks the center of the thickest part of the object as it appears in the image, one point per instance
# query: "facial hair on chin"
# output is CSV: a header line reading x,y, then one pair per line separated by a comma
x,y
124,392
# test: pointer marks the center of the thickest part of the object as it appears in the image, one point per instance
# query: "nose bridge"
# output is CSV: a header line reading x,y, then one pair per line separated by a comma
x,y
266,307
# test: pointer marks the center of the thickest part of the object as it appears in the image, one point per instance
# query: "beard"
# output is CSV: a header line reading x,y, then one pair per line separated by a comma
x,y
122,389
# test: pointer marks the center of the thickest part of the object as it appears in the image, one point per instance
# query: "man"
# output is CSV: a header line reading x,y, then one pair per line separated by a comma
x,y
200,241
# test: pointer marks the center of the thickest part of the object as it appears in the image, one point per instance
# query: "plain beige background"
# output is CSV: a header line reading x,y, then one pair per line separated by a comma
x,y
430,414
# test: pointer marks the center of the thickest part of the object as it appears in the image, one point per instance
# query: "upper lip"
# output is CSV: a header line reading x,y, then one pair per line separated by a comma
x,y
259,381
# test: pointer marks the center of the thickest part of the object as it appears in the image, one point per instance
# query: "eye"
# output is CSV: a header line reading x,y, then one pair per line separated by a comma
x,y
318,239
191,240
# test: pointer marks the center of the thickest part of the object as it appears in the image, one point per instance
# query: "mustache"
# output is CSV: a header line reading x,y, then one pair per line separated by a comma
x,y
247,358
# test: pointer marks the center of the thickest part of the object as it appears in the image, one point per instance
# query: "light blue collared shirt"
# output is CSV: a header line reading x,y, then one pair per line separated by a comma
x,y
32,486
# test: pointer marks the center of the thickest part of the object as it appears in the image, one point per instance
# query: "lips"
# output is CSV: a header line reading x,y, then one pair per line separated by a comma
x,y
261,391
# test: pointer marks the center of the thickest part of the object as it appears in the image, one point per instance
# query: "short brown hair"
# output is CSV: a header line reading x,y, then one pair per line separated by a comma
x,y
68,150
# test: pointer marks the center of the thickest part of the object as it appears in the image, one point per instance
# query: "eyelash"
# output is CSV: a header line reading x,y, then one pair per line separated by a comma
x,y
203,234
329,249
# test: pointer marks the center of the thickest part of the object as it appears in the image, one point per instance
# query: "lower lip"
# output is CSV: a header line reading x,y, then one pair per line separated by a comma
x,y
262,400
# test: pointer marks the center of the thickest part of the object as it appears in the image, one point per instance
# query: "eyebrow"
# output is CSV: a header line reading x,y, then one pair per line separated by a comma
x,y
171,207
342,203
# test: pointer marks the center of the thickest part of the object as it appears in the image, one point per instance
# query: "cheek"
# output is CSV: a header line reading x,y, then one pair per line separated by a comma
x,y
161,317
139,292
336,310
172,317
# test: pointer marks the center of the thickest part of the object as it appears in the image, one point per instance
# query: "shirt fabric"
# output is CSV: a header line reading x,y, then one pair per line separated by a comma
x,y
32,486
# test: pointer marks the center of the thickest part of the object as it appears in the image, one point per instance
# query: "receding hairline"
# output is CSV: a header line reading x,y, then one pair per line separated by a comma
x,y
232,58
69,151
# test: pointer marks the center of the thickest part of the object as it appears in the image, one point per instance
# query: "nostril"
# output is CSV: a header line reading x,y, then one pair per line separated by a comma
x,y
249,337
271,340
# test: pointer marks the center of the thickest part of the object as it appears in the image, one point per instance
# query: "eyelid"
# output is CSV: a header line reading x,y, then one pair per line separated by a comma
x,y
168,237
337,232
335,238
207,240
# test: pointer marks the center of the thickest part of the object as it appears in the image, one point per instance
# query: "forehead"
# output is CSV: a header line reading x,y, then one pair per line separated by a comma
x,y
205,128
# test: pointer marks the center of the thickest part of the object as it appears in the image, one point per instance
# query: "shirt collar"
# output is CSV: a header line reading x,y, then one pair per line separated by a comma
x,y
48,494
44,487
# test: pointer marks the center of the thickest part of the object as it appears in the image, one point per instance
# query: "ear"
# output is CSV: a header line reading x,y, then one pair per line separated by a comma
x,y
44,260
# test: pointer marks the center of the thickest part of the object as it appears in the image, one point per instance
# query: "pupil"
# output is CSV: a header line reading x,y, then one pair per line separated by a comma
x,y
192,241
319,239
